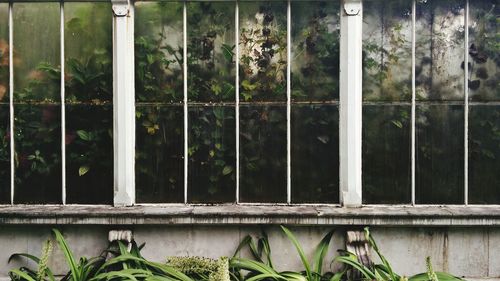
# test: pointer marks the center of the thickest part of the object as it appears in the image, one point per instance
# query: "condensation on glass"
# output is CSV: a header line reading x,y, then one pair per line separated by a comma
x,y
4,106
37,121
484,94
88,103
387,93
159,95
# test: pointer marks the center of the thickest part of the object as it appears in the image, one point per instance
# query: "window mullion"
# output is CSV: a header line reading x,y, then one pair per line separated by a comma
x,y
288,103
185,101
237,97
11,101
413,97
466,105
63,108
351,23
123,103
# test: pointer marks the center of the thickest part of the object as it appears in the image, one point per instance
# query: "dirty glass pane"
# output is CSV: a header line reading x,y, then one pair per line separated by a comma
x,y
386,154
4,154
4,52
263,51
88,53
315,50
212,154
484,154
4,105
89,154
38,154
37,52
440,49
484,50
159,166
89,94
440,154
263,154
211,51
158,52
315,153
387,47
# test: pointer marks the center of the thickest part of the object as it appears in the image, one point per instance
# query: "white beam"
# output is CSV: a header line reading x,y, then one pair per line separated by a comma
x,y
351,23
123,103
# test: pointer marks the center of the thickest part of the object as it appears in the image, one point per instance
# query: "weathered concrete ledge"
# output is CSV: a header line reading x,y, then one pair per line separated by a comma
x,y
252,214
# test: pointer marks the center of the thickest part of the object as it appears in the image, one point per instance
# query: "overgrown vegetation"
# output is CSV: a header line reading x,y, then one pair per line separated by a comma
x,y
125,262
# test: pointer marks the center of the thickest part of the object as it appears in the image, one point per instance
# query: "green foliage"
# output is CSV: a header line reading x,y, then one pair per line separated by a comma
x,y
384,270
202,268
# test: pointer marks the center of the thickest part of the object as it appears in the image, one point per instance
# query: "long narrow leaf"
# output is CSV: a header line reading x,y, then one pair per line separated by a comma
x,y
302,255
68,254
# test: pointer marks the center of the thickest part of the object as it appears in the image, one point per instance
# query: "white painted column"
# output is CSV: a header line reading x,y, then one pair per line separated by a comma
x,y
351,22
123,103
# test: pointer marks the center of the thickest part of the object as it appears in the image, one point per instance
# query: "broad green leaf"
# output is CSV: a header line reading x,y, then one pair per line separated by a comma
x,y
83,170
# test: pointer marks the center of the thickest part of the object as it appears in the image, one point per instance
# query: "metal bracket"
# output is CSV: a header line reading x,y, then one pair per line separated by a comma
x,y
120,7
352,8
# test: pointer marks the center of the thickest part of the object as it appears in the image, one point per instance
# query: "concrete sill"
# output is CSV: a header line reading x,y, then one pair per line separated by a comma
x,y
252,214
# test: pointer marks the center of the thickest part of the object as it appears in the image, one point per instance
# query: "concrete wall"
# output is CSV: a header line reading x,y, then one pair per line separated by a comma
x,y
468,252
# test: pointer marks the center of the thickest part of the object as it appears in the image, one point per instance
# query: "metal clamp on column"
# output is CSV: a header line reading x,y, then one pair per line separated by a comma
x,y
120,8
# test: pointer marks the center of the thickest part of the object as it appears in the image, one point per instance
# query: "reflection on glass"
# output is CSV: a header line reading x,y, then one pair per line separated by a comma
x,y
88,53
262,46
38,154
315,50
440,50
484,154
263,154
4,52
315,154
89,154
211,51
159,161
387,33
440,154
4,155
386,154
158,52
212,155
37,52
484,50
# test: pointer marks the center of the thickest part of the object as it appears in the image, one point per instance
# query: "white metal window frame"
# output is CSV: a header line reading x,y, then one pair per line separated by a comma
x,y
350,105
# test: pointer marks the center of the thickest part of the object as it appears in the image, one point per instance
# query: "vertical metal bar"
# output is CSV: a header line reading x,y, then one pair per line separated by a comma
x,y
351,23
123,103
237,98
184,61
288,103
466,109
413,97
63,109
11,100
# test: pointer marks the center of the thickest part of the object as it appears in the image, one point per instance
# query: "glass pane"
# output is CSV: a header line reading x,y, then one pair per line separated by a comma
x,y
440,154
159,160
386,154
263,154
211,51
315,154
89,154
4,106
4,154
88,53
387,47
37,55
38,154
158,52
4,52
212,154
484,154
484,50
315,50
440,49
89,115
263,51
